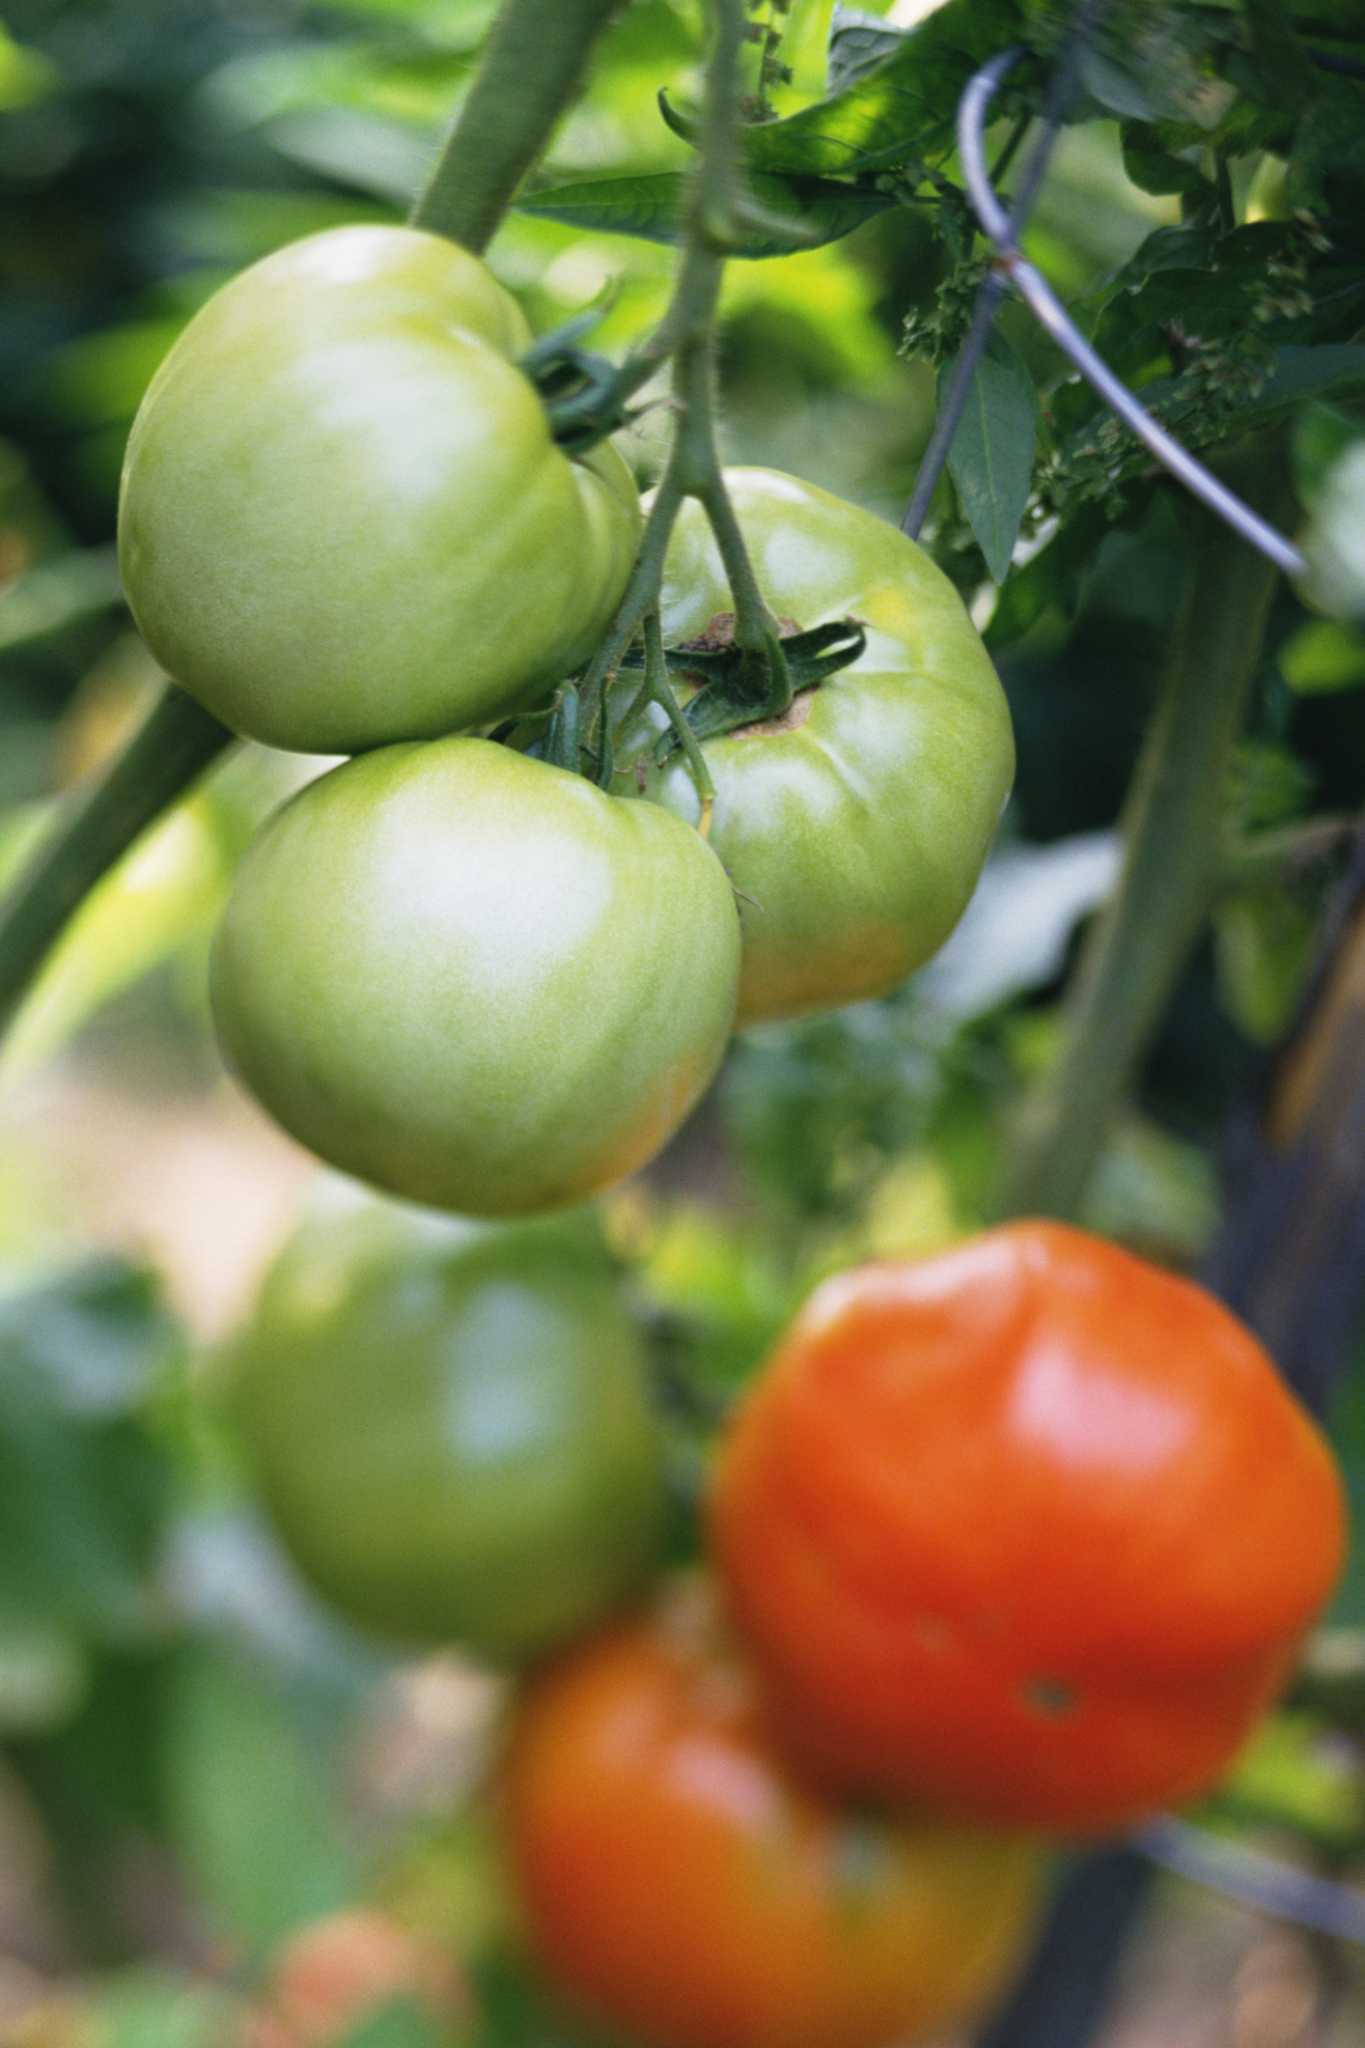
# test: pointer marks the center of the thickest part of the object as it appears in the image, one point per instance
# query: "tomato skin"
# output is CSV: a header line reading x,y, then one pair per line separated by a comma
x,y
855,829
1028,1532
680,1884
473,979
451,1429
342,518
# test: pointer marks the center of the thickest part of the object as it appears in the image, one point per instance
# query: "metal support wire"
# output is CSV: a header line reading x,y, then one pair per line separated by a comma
x,y
1261,1882
1048,310
948,418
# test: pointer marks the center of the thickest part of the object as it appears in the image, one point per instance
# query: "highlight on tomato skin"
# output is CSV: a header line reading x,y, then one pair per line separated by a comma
x,y
680,1882
1029,1532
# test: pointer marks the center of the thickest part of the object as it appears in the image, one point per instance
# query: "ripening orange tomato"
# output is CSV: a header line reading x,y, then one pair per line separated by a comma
x,y
681,1884
1029,1531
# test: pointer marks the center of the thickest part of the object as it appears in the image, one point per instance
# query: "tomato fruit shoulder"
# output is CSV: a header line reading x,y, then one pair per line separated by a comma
x,y
343,520
854,828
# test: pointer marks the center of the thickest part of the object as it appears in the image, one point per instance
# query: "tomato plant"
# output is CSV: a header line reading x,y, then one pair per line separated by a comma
x,y
452,1431
343,520
853,827
475,980
1030,1531
680,1883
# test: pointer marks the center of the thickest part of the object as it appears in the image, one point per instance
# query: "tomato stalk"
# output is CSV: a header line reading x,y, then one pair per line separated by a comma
x,y
534,62
1174,849
535,57
693,469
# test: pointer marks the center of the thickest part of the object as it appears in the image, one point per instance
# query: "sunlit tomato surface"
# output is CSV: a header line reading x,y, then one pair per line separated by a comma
x,y
451,1428
343,520
1030,1531
680,1885
855,827
475,980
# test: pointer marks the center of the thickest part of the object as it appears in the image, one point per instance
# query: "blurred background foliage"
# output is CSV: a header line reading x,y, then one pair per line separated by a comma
x,y
194,1760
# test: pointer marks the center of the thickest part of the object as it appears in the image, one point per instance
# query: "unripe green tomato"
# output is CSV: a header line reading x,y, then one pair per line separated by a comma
x,y
343,520
451,1430
474,979
854,828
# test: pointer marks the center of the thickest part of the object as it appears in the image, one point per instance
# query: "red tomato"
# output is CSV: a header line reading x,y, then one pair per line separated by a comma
x,y
1030,1531
682,1885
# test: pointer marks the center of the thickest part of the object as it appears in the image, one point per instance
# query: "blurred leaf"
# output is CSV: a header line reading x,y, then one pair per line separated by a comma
x,y
25,75
1322,656
1265,945
84,1488
163,894
819,210
56,593
361,151
858,41
1019,924
153,2008
900,111
991,459
254,1808
1287,1777
1335,541
401,2023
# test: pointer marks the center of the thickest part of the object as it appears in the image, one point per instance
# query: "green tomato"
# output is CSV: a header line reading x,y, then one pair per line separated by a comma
x,y
343,520
476,980
451,1430
854,828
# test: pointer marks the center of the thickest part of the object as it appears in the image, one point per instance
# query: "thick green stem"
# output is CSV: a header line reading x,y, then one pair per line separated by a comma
x,y
174,744
535,60
1173,834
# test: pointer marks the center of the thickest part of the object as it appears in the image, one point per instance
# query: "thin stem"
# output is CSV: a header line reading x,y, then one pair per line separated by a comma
x,y
174,744
687,332
1173,842
1289,849
535,59
661,691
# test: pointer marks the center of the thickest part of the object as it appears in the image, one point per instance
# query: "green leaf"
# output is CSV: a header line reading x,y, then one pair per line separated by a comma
x,y
58,593
858,42
1335,541
254,1809
400,2023
801,212
899,111
1322,657
991,461
84,1488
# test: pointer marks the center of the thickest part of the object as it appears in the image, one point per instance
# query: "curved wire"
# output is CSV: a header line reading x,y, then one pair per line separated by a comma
x,y
993,287
1048,310
1252,1879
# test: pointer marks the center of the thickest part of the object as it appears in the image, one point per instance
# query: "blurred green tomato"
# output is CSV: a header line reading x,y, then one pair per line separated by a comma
x,y
854,828
451,1430
343,520
475,980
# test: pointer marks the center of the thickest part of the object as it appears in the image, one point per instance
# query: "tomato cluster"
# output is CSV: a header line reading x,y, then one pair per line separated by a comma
x,y
1013,1542
1010,1543
467,975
